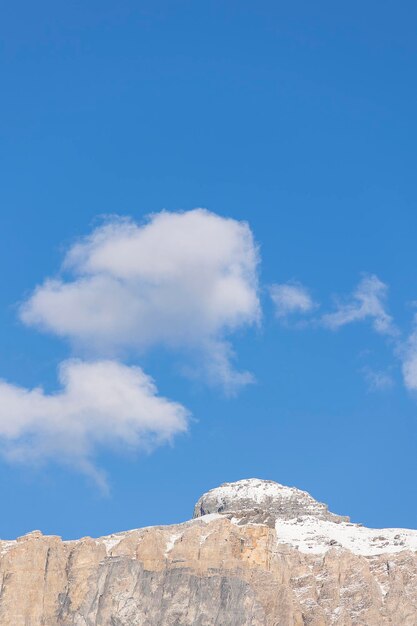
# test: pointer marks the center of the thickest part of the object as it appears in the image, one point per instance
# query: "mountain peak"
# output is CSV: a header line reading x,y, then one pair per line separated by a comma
x,y
253,500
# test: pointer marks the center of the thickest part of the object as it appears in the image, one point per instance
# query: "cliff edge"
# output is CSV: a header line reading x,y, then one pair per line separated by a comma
x,y
256,553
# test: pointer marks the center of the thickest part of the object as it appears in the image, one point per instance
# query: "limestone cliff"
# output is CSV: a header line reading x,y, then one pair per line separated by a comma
x,y
255,554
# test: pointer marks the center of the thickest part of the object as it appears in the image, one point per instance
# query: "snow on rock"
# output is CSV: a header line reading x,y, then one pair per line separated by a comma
x,y
316,536
299,520
5,546
171,542
110,541
262,501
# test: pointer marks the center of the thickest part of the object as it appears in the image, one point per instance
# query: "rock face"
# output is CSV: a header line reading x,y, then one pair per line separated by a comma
x,y
262,502
255,554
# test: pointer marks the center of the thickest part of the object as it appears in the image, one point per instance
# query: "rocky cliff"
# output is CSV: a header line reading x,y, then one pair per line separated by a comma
x,y
256,553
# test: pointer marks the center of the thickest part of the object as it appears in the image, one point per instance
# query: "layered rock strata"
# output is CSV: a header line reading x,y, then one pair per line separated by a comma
x,y
255,554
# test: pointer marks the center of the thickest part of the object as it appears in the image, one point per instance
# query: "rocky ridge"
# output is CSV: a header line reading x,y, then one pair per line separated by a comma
x,y
256,553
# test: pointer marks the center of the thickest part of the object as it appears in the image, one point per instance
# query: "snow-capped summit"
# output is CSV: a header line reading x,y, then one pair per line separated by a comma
x,y
262,501
299,520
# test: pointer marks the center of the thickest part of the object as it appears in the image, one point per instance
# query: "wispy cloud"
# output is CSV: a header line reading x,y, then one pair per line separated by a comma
x,y
407,353
377,380
367,302
291,298
181,280
102,404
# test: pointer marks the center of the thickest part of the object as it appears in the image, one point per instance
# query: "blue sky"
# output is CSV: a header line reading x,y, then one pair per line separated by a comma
x,y
297,118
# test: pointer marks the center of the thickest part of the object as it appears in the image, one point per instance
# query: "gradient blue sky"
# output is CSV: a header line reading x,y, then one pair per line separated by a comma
x,y
296,117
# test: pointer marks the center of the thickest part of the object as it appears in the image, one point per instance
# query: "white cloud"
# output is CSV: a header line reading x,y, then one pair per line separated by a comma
x,y
368,301
181,280
290,298
102,404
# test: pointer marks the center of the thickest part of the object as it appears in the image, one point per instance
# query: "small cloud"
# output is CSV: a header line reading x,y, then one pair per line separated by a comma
x,y
377,380
102,404
368,301
291,298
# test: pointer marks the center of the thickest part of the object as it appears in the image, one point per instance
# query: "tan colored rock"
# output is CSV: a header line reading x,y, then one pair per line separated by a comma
x,y
218,569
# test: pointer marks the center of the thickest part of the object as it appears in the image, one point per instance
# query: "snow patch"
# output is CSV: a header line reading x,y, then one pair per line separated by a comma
x,y
315,536
256,490
6,546
209,517
171,542
111,541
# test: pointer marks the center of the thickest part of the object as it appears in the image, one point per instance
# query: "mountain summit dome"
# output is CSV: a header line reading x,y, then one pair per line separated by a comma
x,y
262,501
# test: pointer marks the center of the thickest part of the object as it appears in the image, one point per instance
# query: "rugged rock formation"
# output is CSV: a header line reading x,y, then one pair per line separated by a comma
x,y
255,554
262,502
